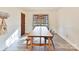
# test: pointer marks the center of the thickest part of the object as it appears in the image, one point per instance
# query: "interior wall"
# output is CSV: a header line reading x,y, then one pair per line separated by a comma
x,y
29,18
14,21
21,10
67,26
12,24
64,21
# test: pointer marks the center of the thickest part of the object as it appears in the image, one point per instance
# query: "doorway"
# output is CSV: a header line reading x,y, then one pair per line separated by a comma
x,y
22,24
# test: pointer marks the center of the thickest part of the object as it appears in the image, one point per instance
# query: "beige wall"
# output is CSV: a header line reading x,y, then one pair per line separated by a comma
x,y
64,21
67,26
29,18
21,10
13,23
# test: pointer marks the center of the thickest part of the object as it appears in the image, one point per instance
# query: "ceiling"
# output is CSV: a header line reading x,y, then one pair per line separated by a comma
x,y
41,8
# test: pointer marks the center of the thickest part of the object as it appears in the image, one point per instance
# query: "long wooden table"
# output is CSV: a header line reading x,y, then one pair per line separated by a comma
x,y
40,31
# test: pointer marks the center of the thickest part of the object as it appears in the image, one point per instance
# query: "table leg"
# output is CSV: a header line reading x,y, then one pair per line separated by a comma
x,y
40,40
45,41
49,43
31,41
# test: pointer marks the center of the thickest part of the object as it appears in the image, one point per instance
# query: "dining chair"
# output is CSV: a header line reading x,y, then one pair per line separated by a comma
x,y
53,33
25,37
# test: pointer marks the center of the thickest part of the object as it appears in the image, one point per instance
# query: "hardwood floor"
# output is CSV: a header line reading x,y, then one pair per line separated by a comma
x,y
60,45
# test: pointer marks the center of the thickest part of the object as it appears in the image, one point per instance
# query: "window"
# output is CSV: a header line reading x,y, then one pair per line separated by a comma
x,y
40,20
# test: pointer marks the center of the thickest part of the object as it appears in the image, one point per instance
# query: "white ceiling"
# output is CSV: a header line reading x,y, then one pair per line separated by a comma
x,y
41,8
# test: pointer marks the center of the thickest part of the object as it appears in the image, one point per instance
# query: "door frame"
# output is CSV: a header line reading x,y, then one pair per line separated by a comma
x,y
22,23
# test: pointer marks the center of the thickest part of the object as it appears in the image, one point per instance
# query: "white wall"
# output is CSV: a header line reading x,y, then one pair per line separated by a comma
x,y
64,21
29,18
67,26
12,24
14,21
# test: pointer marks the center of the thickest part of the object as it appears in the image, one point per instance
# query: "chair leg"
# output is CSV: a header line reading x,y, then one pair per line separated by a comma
x,y
27,44
53,43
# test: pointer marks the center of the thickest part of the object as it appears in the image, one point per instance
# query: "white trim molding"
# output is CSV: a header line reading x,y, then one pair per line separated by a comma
x,y
66,39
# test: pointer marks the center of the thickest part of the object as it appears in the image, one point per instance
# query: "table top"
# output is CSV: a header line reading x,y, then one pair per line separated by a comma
x,y
40,31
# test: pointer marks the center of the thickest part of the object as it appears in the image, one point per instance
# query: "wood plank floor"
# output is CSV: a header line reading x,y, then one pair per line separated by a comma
x,y
60,45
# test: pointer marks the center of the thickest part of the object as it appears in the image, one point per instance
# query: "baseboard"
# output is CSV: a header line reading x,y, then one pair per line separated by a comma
x,y
66,39
5,48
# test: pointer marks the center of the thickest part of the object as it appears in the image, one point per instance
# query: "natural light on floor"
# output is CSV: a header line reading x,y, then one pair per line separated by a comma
x,y
12,38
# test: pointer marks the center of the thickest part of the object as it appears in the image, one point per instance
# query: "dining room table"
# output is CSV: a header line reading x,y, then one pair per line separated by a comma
x,y
41,32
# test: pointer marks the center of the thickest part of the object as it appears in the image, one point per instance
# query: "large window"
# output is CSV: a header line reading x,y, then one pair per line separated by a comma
x,y
40,20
